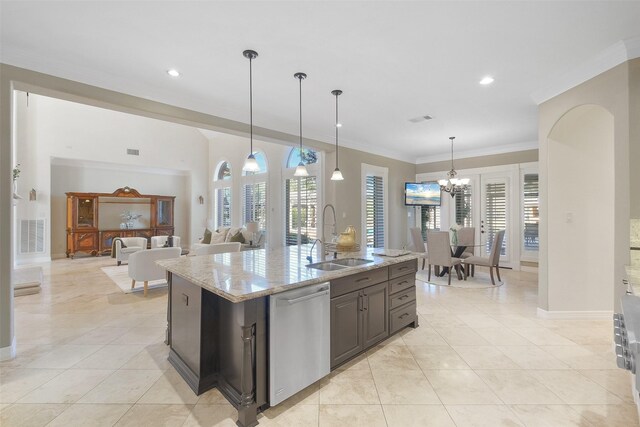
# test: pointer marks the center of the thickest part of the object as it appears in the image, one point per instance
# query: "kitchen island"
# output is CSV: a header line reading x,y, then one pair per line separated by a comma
x,y
218,316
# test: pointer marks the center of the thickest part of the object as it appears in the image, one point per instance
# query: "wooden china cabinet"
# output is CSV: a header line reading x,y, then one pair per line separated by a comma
x,y
87,211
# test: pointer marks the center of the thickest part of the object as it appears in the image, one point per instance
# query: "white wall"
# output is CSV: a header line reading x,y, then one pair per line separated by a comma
x,y
581,225
50,128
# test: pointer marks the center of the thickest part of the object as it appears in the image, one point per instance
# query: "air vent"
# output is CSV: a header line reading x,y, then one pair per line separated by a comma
x,y
420,119
32,236
133,151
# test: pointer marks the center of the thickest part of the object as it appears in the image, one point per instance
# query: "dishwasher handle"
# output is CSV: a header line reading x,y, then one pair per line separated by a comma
x,y
306,297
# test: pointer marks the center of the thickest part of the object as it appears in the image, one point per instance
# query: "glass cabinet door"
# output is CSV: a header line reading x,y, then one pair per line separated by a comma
x,y
86,212
165,213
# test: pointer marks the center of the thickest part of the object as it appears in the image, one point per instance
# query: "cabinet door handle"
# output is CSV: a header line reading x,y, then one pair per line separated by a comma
x,y
403,297
402,268
360,304
403,282
365,307
185,299
362,279
403,316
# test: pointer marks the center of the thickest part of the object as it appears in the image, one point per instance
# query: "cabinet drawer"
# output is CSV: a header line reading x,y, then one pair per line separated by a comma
x,y
402,283
402,298
403,268
402,316
344,285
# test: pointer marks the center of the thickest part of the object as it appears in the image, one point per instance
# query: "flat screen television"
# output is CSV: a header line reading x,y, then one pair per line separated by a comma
x,y
422,194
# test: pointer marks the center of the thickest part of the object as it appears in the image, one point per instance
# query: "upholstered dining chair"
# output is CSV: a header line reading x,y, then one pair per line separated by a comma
x,y
160,241
218,248
419,246
467,237
143,267
131,245
440,252
493,261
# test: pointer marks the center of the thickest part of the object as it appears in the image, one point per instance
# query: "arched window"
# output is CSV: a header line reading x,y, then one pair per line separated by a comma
x,y
222,195
302,198
254,193
309,157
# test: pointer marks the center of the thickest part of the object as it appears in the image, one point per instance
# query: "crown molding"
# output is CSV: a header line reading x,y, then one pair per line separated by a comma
x,y
488,151
81,163
614,55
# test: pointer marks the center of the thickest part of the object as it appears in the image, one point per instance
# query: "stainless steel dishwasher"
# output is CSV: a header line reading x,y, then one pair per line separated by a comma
x,y
299,341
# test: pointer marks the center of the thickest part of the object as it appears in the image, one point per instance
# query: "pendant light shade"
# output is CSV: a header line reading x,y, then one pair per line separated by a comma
x,y
337,175
250,165
301,169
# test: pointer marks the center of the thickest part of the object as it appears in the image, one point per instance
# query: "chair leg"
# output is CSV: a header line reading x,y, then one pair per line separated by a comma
x,y
133,284
119,262
429,273
498,273
146,284
473,270
491,273
450,268
423,262
464,272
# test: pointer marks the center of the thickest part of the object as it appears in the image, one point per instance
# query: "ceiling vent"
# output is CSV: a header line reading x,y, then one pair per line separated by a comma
x,y
420,119
133,152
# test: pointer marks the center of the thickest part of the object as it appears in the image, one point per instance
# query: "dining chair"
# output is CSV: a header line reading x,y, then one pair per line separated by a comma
x,y
440,252
218,248
419,246
467,237
493,261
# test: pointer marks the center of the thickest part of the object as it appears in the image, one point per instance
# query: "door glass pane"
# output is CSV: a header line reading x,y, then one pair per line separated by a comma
x,y
164,212
462,207
374,212
85,212
301,200
254,207
530,212
495,217
429,219
223,207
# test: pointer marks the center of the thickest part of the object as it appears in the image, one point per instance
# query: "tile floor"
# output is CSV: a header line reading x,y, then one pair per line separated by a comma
x,y
89,355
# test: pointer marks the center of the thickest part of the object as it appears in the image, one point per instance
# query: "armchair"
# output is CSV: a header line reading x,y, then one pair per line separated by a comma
x,y
133,244
143,267
159,241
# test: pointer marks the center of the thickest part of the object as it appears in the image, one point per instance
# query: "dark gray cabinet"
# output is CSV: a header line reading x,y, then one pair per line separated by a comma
x,y
346,324
375,313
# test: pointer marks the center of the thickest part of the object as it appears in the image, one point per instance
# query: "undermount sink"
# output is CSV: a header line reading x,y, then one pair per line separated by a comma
x,y
339,264
352,262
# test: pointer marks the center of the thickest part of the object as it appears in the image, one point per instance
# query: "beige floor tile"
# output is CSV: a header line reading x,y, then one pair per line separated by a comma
x,y
437,357
617,382
170,388
351,415
15,383
532,357
212,397
485,357
580,357
483,416
392,358
30,414
100,335
67,387
609,415
423,335
549,416
155,415
404,388
459,387
288,416
574,388
585,335
502,336
142,335
417,416
89,415
349,387
212,416
154,356
518,387
477,321
110,357
357,363
64,356
125,386
543,336
463,335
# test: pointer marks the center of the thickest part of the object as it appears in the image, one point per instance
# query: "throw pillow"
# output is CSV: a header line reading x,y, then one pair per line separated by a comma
x,y
238,237
207,236
232,232
218,237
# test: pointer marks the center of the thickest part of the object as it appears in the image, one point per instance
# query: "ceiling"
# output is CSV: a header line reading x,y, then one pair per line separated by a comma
x,y
394,61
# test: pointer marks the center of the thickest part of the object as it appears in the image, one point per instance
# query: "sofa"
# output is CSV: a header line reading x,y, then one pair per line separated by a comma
x,y
225,235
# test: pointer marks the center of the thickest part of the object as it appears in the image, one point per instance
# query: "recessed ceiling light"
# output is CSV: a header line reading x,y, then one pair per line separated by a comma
x,y
486,80
173,72
338,125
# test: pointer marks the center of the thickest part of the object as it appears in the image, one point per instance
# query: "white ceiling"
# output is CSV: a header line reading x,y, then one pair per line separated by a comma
x,y
394,61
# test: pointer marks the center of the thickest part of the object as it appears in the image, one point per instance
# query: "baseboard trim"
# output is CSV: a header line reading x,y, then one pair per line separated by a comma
x,y
528,269
9,352
598,315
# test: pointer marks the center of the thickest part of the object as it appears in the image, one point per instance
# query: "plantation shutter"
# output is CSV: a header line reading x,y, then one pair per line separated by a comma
x,y
429,219
301,200
496,213
530,212
223,207
254,207
375,212
463,207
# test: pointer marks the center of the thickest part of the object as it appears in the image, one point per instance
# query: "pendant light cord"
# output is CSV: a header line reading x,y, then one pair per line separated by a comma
x,y
251,104
336,131
300,78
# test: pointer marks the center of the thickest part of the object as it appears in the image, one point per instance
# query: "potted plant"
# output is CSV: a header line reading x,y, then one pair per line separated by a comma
x,y
16,175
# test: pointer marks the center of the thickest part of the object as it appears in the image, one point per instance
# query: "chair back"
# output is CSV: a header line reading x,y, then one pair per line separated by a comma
x,y
135,241
143,267
159,241
494,257
467,237
416,240
218,248
439,248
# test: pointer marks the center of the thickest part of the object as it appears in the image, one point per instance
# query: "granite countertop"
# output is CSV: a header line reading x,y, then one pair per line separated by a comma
x,y
241,276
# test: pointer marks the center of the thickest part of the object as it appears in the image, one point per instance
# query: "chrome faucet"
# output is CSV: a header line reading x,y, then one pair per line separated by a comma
x,y
310,256
333,226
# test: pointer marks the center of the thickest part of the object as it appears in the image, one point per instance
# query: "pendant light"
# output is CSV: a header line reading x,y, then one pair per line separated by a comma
x,y
250,165
337,175
301,169
453,185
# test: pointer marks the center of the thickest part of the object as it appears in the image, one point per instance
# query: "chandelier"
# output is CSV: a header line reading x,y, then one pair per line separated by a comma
x,y
453,185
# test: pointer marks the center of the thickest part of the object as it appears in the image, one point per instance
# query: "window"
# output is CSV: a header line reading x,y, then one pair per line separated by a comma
x,y
222,195
462,206
254,194
375,212
530,212
429,219
495,213
301,198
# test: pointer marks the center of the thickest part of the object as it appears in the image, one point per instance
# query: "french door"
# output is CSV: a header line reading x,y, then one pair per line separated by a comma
x,y
495,214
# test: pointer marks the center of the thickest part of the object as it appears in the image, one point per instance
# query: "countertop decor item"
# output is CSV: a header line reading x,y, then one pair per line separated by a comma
x,y
301,169
337,175
250,165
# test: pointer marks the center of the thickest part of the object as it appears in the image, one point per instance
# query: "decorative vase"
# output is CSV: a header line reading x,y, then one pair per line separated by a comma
x,y
129,224
123,226
352,231
454,237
